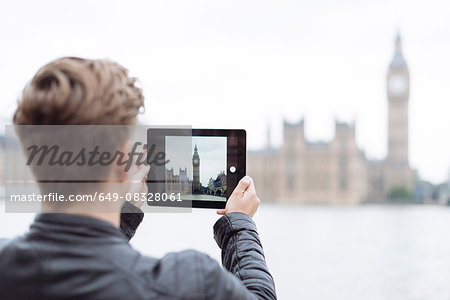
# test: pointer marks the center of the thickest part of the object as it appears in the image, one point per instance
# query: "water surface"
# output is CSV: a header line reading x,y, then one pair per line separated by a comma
x,y
365,252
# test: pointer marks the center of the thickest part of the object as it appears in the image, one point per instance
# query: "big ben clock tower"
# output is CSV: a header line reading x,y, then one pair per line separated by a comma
x,y
196,185
398,173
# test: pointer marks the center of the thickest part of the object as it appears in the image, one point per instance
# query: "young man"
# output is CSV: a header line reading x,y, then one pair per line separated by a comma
x,y
71,253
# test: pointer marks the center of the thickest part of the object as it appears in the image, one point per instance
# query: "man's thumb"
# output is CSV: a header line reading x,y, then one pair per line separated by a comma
x,y
243,184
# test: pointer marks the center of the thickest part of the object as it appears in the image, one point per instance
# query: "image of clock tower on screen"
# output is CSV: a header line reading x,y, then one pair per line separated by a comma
x,y
196,185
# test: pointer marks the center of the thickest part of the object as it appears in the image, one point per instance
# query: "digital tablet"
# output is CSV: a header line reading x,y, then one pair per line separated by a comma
x,y
194,167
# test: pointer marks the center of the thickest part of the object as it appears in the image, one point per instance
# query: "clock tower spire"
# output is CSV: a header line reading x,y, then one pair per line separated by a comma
x,y
196,185
397,163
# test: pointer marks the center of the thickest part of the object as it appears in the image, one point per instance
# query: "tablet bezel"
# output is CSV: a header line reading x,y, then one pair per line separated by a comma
x,y
236,156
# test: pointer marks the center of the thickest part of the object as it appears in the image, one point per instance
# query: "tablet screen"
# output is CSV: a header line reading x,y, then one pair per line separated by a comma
x,y
204,176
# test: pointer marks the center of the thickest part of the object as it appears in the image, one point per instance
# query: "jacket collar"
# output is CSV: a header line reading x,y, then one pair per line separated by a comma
x,y
75,228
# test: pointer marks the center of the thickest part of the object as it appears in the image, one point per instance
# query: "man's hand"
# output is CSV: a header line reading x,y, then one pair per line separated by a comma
x,y
139,184
243,199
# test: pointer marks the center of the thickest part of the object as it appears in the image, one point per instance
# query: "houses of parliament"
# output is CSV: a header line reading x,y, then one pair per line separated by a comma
x,y
338,172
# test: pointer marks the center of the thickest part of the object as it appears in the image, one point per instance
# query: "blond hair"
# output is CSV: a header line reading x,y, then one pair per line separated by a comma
x,y
78,91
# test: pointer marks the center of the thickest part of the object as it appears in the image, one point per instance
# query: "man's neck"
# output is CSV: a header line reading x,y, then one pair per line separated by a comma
x,y
105,210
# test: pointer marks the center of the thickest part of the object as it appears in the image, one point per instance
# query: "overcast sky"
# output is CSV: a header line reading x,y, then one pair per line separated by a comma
x,y
247,64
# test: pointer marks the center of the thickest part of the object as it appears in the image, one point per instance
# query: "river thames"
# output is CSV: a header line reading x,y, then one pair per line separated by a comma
x,y
362,252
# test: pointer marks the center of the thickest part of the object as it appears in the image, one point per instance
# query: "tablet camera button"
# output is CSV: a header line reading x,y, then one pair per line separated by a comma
x,y
232,169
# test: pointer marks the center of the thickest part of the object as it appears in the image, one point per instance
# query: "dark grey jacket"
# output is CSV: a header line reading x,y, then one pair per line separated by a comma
x,y
76,257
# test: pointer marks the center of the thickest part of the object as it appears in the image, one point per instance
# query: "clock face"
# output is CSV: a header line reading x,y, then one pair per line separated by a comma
x,y
397,84
195,161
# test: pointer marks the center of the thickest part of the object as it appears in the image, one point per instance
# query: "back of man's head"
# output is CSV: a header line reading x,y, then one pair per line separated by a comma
x,y
75,91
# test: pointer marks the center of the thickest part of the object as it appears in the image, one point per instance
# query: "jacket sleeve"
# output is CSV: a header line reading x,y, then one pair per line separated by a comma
x,y
3,243
242,254
193,275
130,218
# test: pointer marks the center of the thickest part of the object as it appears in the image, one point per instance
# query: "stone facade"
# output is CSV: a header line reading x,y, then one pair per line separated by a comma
x,y
178,183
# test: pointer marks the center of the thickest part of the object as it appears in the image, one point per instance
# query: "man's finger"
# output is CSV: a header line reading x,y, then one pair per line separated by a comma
x,y
221,211
251,187
242,185
140,175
